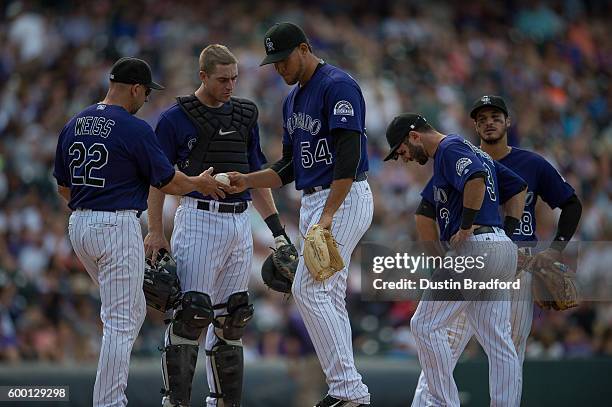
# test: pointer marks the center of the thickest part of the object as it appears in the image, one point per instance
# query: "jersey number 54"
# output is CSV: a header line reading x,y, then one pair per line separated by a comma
x,y
321,153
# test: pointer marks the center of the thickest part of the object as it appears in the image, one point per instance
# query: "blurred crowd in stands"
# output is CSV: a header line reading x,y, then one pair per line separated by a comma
x,y
551,61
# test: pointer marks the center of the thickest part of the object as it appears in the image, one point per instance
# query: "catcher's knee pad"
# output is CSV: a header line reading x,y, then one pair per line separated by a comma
x,y
194,314
230,326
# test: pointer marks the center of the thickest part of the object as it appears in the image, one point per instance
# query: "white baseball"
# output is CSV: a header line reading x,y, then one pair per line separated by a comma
x,y
222,178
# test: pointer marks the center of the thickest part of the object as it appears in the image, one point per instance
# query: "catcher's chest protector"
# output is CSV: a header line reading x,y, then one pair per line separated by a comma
x,y
222,135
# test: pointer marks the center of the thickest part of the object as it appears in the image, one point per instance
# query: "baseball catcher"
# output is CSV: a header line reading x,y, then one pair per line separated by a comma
x,y
161,284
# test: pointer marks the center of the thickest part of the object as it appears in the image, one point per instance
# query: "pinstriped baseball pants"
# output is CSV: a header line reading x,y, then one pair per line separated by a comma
x,y
322,304
109,244
488,320
460,332
213,252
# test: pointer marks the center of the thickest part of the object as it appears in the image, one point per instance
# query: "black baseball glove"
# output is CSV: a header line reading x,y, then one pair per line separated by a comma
x,y
278,271
161,284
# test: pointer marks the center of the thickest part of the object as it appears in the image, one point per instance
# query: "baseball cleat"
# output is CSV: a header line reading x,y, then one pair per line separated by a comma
x,y
330,401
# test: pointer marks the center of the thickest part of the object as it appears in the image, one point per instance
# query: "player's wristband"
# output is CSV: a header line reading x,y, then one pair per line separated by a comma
x,y
467,217
274,224
510,225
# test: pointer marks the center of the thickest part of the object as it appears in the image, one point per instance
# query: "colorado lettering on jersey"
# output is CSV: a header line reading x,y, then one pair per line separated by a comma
x,y
303,121
93,126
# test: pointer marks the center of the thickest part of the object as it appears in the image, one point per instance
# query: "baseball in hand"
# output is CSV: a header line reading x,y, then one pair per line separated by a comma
x,y
222,178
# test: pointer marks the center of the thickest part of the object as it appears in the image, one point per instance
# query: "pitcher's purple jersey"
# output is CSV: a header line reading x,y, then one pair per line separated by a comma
x,y
330,100
108,158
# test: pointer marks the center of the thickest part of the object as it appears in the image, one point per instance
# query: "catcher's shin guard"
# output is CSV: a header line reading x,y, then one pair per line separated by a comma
x,y
178,367
227,363
180,354
226,357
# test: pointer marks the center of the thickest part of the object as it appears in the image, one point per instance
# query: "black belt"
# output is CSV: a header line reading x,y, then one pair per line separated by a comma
x,y
307,191
483,229
224,207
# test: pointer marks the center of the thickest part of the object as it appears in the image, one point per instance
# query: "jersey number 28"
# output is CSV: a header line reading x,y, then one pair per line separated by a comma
x,y
321,153
94,158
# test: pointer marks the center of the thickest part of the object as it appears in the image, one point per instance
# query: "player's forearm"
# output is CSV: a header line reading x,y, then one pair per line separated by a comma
x,y
514,206
180,184
571,211
338,191
427,233
263,179
64,192
155,210
473,193
263,202
426,228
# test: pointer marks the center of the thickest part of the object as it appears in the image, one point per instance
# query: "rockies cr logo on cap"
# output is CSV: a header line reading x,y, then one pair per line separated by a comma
x,y
269,45
486,99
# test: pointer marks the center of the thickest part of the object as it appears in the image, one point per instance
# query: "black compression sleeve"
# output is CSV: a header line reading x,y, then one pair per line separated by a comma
x,y
468,216
426,209
274,224
284,166
510,225
348,153
571,210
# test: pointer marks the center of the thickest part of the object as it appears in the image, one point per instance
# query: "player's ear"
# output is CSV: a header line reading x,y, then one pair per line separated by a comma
x,y
508,122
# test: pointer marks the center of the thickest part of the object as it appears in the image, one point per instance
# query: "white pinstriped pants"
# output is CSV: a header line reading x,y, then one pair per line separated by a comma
x,y
213,254
488,320
460,332
322,304
109,244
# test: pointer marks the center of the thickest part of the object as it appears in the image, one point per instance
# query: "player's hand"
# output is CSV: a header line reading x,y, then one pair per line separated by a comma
x,y
153,242
461,236
523,260
326,221
546,257
208,186
238,182
280,241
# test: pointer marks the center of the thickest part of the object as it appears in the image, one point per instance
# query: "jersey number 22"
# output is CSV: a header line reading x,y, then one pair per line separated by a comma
x,y
94,158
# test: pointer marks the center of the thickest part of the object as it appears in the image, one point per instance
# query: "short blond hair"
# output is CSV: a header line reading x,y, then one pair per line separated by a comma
x,y
213,55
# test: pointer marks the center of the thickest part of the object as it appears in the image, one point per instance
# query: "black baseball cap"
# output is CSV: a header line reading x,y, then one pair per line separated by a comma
x,y
399,128
133,71
280,40
488,101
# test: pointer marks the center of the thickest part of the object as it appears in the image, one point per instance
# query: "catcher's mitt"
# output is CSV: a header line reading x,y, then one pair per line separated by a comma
x,y
278,271
161,285
321,254
554,287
